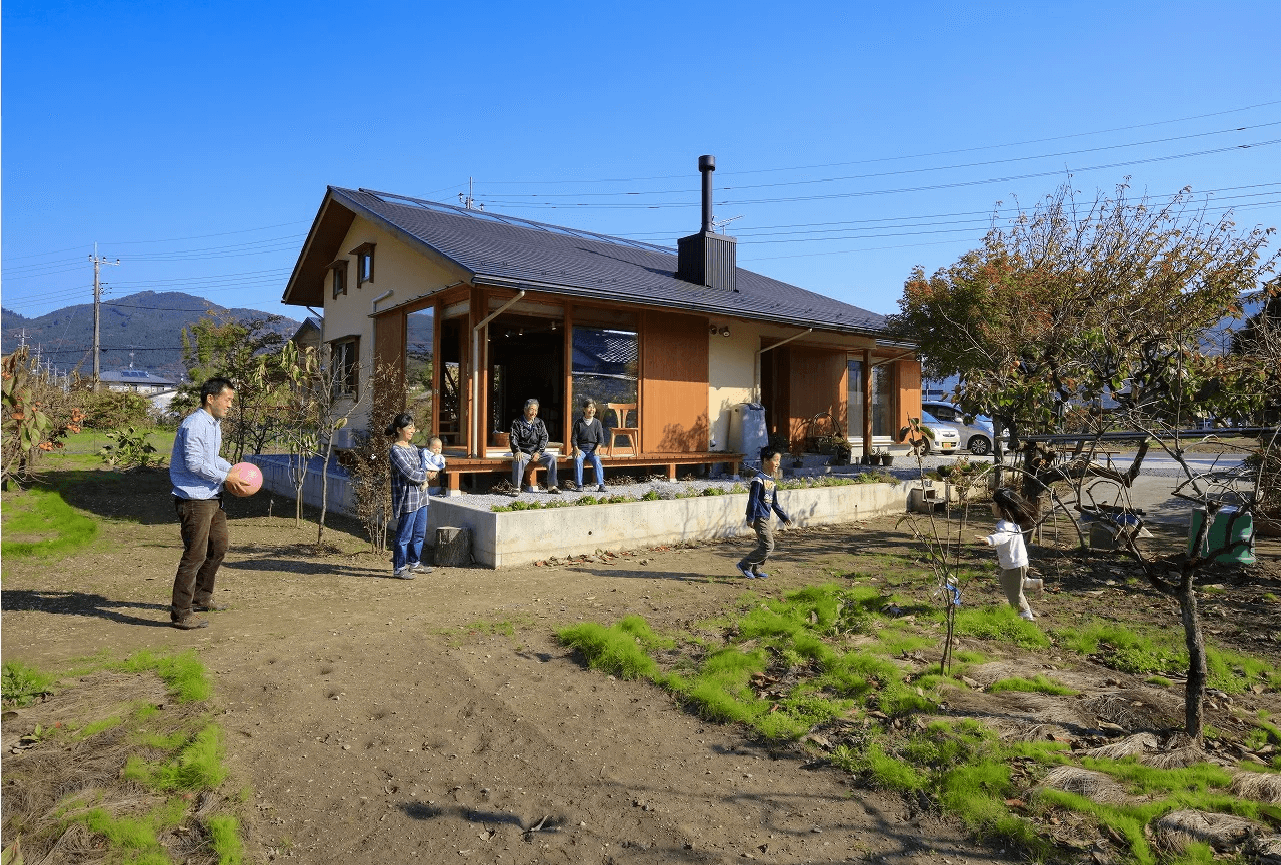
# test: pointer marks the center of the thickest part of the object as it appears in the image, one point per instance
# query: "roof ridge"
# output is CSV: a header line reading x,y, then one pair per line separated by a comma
x,y
506,218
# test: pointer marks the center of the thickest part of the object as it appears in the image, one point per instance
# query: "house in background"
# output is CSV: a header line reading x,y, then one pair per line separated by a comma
x,y
479,311
137,381
308,334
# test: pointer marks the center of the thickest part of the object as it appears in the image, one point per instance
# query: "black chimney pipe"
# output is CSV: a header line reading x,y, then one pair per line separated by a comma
x,y
706,165
707,258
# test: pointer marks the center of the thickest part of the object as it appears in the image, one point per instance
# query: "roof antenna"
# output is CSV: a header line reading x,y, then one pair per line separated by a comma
x,y
468,201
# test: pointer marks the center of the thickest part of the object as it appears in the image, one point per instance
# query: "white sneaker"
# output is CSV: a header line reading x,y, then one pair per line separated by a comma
x,y
1026,615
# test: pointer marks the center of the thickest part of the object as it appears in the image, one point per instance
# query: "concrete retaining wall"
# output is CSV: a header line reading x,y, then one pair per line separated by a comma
x,y
507,539
511,538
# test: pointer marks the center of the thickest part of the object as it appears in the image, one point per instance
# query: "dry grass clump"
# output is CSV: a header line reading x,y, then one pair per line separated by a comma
x,y
1137,709
1177,829
1179,752
89,734
1094,786
1259,786
1139,743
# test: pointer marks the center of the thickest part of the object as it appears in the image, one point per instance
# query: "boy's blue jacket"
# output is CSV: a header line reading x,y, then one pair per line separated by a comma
x,y
761,501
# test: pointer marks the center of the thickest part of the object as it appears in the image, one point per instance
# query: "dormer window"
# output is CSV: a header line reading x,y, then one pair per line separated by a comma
x,y
364,263
339,276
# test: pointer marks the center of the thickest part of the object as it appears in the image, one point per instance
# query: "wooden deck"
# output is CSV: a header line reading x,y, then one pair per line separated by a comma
x,y
494,463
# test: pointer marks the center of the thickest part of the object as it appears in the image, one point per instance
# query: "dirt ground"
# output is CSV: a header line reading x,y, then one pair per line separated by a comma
x,y
385,721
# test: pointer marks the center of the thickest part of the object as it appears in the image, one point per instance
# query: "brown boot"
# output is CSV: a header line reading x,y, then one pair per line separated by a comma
x,y
189,622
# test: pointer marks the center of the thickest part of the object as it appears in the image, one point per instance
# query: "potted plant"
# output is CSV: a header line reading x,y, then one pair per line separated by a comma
x,y
887,458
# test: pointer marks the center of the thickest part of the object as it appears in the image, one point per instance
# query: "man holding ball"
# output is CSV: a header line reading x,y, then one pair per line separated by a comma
x,y
198,475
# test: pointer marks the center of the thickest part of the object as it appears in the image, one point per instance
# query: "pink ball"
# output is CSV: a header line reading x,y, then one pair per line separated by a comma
x,y
249,473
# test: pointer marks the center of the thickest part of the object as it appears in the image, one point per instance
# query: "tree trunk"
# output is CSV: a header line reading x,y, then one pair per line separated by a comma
x,y
324,489
1194,696
453,546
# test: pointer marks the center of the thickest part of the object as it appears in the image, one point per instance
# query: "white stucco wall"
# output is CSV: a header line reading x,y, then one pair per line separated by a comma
x,y
731,371
398,267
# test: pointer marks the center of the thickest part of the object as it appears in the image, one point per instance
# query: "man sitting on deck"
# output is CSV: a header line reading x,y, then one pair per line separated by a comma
x,y
529,443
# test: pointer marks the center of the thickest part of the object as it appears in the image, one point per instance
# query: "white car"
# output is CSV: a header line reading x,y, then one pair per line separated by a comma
x,y
946,439
976,436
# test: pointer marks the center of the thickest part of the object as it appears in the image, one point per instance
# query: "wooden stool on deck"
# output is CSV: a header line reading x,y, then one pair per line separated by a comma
x,y
632,433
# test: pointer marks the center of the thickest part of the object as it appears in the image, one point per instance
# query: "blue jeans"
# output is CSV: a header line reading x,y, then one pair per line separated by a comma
x,y
521,459
411,531
578,467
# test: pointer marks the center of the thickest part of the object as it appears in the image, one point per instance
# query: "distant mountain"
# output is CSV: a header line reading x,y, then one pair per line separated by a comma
x,y
143,328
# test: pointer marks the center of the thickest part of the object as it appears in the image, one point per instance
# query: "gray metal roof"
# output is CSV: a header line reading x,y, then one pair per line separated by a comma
x,y
135,376
509,251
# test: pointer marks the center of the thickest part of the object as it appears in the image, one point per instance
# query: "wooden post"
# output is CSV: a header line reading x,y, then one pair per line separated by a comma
x,y
453,546
867,402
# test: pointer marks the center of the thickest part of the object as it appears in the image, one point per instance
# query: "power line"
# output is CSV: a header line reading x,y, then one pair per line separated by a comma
x,y
985,214
726,188
908,156
899,190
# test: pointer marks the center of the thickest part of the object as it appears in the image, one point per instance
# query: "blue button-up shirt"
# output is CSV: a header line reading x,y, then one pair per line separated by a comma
x,y
195,468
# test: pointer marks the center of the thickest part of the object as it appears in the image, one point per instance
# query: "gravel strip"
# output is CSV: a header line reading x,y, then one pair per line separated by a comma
x,y
903,470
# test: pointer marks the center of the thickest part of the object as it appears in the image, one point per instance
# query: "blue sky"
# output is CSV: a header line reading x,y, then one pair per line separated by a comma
x,y
194,140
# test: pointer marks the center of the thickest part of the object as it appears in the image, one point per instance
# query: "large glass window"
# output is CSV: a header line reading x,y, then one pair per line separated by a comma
x,y
855,397
419,365
883,394
605,367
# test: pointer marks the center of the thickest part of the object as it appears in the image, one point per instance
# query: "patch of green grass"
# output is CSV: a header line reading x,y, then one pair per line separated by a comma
x,y
1139,650
1122,648
135,837
881,770
963,765
182,673
1038,684
1000,624
224,838
1159,680
611,650
95,727
1234,673
1195,853
63,530
197,766
22,685
1141,779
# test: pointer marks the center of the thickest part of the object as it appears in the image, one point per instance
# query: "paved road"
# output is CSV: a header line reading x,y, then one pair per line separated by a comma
x,y
1153,490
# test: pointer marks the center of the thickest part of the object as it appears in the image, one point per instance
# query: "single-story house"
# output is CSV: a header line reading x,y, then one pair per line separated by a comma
x,y
479,311
137,381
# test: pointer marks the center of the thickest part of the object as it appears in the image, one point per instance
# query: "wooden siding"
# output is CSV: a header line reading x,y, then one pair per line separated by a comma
x,y
389,353
673,383
818,381
909,391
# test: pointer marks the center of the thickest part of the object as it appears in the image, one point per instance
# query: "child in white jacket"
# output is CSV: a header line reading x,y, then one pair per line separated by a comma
x,y
433,460
1014,516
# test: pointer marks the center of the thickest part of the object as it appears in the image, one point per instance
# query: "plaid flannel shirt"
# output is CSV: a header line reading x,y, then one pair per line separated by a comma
x,y
407,475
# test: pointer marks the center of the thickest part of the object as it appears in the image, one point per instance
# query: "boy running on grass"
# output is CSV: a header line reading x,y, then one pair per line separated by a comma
x,y
762,500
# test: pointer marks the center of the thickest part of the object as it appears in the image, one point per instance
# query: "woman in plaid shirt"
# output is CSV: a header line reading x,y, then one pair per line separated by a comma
x,y
409,500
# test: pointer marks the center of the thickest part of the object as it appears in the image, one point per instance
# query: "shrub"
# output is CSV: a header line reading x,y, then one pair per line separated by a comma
x,y
111,409
129,450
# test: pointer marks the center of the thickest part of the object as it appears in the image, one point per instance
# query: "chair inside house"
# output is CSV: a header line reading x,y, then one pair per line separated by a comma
x,y
621,429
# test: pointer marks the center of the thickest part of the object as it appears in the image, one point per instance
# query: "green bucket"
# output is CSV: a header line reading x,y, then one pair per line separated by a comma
x,y
1242,532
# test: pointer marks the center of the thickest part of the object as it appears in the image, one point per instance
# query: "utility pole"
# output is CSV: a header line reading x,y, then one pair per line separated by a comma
x,y
97,300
